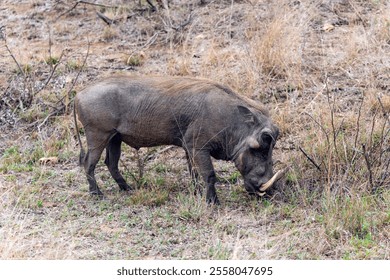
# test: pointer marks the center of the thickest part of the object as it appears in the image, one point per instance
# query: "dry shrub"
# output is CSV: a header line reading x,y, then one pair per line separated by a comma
x,y
271,50
345,161
228,67
277,46
342,144
110,33
378,24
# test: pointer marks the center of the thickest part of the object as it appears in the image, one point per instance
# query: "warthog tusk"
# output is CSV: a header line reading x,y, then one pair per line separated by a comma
x,y
271,181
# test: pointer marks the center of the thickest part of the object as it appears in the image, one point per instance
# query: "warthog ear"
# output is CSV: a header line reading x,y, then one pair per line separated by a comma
x,y
249,117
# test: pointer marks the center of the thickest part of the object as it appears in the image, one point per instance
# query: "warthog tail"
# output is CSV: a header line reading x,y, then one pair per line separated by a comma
x,y
82,151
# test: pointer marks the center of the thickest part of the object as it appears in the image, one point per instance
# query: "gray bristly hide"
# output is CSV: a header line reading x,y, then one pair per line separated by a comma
x,y
206,119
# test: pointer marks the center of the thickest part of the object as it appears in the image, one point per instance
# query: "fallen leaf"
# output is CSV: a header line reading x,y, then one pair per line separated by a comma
x,y
328,27
48,160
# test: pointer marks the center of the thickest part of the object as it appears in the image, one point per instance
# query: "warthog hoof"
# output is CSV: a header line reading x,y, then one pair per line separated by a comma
x,y
125,188
97,194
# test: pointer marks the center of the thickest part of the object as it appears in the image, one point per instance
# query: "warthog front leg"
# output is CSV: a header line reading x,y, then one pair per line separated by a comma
x,y
204,166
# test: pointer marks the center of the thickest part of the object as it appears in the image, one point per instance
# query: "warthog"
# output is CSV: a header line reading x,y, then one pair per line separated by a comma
x,y
203,117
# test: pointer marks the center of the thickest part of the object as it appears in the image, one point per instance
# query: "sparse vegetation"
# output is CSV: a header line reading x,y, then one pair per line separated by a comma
x,y
136,60
52,60
321,67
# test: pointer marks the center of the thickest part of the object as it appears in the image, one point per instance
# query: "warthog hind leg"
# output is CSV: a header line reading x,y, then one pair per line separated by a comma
x,y
113,153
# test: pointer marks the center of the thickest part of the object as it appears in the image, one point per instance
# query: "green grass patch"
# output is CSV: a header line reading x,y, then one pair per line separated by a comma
x,y
219,251
149,197
191,208
52,60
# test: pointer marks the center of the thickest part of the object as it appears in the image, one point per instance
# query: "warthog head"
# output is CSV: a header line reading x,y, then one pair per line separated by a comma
x,y
253,154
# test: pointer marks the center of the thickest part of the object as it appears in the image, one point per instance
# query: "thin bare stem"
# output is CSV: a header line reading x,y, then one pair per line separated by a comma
x,y
310,159
368,163
86,3
358,122
331,105
13,58
51,73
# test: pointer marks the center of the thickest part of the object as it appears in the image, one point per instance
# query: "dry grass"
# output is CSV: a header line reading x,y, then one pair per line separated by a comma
x,y
321,67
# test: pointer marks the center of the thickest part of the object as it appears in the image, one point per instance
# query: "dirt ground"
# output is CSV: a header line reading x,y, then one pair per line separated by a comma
x,y
320,67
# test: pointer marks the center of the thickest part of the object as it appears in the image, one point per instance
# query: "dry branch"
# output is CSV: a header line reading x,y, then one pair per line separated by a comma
x,y
368,163
184,24
78,73
331,105
358,122
153,8
321,127
51,73
385,114
86,3
310,159
66,105
4,38
106,19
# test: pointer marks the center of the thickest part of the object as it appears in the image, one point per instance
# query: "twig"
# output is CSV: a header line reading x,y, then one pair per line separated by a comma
x,y
383,133
86,3
184,24
2,32
65,106
385,114
49,116
77,76
368,163
332,107
310,159
106,19
372,130
51,74
358,122
50,42
163,3
321,127
27,85
155,154
169,25
3,36
359,15
150,41
153,8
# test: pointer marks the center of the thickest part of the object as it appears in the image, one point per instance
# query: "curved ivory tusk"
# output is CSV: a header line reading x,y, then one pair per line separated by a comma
x,y
271,181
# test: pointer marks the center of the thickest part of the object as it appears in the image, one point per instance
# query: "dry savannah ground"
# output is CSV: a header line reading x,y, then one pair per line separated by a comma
x,y
322,68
